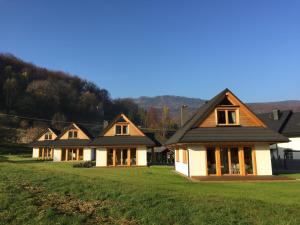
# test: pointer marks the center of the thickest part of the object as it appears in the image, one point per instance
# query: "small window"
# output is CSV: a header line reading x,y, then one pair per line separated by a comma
x,y
231,117
70,134
75,134
227,116
221,117
50,136
125,129
177,155
118,129
184,156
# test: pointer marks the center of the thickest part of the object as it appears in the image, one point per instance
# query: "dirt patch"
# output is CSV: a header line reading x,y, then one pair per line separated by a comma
x,y
70,205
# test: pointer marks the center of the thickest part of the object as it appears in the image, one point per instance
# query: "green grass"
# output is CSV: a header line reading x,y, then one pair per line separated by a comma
x,y
37,192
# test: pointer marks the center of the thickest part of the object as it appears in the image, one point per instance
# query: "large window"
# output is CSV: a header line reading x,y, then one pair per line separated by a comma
x,y
177,155
122,129
227,117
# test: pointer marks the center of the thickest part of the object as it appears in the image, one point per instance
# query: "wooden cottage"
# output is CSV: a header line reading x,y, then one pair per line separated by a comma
x,y
224,137
121,143
73,144
41,147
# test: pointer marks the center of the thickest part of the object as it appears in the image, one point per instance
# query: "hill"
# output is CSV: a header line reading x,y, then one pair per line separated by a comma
x,y
175,102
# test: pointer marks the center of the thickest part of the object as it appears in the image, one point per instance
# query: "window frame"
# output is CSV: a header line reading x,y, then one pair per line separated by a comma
x,y
72,136
177,155
227,110
184,156
122,129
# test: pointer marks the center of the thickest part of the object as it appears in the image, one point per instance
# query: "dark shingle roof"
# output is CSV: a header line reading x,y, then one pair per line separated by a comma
x,y
45,143
122,141
232,134
276,125
191,134
70,142
292,127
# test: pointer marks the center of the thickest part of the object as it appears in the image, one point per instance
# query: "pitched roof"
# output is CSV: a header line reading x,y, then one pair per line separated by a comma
x,y
292,127
276,125
55,131
73,126
199,116
44,143
70,142
232,134
122,141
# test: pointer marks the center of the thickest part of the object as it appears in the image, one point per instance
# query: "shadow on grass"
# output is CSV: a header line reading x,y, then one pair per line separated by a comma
x,y
7,159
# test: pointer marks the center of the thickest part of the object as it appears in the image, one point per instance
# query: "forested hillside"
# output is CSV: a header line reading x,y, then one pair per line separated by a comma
x,y
34,92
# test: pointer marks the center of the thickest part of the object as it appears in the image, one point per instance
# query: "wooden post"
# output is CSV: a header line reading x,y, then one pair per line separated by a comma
x,y
43,153
114,157
229,161
241,160
67,155
77,154
136,157
254,161
128,157
121,157
51,153
218,161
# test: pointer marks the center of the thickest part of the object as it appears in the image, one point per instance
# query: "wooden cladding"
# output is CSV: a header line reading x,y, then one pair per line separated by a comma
x,y
231,160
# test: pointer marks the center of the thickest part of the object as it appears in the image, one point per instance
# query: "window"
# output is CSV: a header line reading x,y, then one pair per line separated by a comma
x,y
184,156
73,134
227,116
48,136
122,130
177,155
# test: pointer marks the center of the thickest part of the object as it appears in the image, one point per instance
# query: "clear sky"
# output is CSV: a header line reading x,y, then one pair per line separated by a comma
x,y
156,47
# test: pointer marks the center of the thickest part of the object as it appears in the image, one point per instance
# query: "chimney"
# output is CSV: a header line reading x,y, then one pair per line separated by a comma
x,y
105,124
276,114
184,114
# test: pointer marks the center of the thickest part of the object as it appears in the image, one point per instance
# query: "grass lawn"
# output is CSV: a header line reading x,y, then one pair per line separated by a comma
x,y
37,192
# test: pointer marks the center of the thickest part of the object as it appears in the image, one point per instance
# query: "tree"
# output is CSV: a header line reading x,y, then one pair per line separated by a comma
x,y
152,118
58,121
165,120
10,92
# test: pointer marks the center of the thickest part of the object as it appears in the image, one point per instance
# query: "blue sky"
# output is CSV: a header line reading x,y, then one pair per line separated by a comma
x,y
149,47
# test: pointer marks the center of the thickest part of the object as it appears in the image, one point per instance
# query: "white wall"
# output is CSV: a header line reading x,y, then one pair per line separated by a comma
x,y
35,152
101,157
263,159
197,157
57,155
88,154
294,144
180,166
141,156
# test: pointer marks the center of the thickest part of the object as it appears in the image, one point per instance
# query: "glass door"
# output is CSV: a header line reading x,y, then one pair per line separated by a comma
x,y
235,164
225,160
248,160
110,157
211,161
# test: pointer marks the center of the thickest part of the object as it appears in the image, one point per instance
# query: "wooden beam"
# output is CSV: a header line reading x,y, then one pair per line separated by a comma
x,y
77,154
136,157
218,161
43,153
229,161
67,155
241,160
128,157
114,157
254,161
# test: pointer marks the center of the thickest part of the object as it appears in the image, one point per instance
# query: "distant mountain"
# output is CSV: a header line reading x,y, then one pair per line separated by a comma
x,y
175,102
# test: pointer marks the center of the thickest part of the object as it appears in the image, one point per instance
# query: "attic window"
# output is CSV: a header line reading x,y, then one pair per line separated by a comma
x,y
122,129
73,134
48,136
227,117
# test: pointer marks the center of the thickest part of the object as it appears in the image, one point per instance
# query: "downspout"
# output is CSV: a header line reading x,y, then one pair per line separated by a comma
x,y
188,162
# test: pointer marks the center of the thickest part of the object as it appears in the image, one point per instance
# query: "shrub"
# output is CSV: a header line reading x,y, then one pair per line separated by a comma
x,y
86,164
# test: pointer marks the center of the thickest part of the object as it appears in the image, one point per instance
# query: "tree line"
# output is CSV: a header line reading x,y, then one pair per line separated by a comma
x,y
29,90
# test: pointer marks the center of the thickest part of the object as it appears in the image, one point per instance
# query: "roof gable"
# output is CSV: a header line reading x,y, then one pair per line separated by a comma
x,y
205,110
54,133
82,133
122,119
